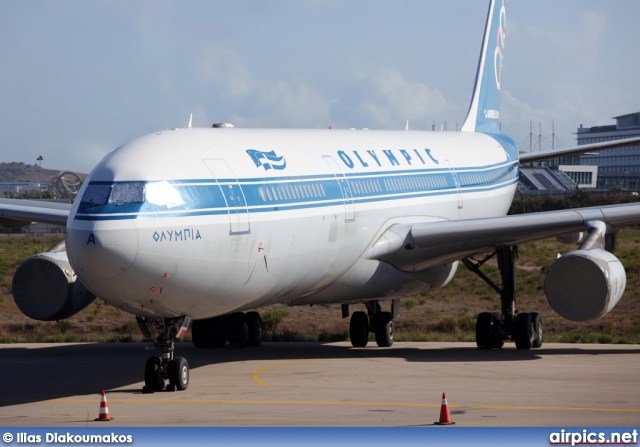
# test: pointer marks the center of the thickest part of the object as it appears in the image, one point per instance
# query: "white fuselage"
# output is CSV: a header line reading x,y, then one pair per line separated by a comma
x,y
203,222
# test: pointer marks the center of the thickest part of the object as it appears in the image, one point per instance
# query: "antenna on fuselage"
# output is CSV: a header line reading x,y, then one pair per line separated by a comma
x,y
407,126
190,119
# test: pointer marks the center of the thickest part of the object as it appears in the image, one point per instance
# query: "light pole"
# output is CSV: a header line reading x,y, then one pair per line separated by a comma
x,y
40,175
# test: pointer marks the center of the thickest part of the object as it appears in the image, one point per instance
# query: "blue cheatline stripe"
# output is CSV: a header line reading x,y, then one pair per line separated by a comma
x,y
208,197
283,207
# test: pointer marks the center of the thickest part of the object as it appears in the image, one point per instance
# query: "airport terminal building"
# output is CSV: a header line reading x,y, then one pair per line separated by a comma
x,y
616,167
612,170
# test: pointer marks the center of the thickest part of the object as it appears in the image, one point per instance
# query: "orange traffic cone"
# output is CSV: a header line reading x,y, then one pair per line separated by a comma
x,y
445,419
104,410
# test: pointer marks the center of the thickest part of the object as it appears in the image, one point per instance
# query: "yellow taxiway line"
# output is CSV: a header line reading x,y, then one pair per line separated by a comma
x,y
347,404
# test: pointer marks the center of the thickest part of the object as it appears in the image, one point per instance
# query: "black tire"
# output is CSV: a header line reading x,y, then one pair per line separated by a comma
x,y
523,331
537,330
201,334
359,329
218,332
238,330
254,323
383,328
152,374
488,330
178,374
484,338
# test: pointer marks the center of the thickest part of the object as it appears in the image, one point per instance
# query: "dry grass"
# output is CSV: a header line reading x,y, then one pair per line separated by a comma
x,y
443,315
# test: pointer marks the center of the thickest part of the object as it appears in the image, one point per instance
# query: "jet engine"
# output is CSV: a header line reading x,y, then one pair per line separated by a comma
x,y
584,285
46,288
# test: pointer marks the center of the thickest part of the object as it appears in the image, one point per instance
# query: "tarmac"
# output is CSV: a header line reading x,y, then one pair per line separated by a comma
x,y
325,385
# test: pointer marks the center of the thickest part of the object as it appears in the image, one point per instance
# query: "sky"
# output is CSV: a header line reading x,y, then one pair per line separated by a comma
x,y
79,78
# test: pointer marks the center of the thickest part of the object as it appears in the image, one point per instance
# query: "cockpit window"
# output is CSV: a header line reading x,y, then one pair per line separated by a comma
x,y
96,194
163,194
125,193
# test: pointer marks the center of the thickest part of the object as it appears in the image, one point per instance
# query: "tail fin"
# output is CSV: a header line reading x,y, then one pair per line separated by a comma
x,y
484,111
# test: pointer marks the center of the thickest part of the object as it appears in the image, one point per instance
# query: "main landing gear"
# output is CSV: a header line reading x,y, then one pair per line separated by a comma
x,y
164,367
376,321
238,328
493,328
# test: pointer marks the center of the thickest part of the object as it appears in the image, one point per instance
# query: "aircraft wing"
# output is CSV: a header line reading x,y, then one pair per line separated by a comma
x,y
54,213
528,157
414,247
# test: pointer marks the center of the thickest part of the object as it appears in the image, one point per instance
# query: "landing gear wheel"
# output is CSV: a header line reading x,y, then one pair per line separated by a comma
x,y
218,333
208,333
178,374
487,327
383,324
201,334
523,331
359,329
238,330
165,366
537,329
153,374
254,323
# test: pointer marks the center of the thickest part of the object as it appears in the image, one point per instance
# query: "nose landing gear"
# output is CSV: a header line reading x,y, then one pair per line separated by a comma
x,y
164,367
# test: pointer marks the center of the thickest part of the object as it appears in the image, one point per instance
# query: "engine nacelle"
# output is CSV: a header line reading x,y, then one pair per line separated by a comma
x,y
46,288
570,238
584,285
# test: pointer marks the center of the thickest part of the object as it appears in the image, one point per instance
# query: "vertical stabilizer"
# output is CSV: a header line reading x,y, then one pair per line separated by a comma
x,y
484,111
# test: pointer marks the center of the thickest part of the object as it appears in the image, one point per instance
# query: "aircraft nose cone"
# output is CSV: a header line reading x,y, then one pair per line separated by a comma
x,y
99,253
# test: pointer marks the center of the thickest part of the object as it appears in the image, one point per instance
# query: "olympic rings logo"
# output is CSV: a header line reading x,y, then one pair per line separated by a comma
x,y
498,55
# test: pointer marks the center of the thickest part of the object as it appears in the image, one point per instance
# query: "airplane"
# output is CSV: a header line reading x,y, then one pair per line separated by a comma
x,y
198,227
